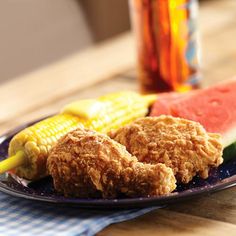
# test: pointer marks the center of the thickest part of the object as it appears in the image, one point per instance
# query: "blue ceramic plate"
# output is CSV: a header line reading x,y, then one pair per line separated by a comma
x,y
42,190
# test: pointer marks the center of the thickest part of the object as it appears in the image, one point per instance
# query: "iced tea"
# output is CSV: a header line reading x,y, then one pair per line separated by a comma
x,y
168,52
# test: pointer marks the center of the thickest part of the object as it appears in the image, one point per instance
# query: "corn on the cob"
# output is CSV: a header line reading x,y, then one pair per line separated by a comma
x,y
36,141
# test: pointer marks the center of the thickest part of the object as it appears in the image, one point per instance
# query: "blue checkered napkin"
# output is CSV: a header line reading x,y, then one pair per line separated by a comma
x,y
26,218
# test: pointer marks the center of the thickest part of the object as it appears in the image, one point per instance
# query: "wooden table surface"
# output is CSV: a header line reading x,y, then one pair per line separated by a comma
x,y
111,67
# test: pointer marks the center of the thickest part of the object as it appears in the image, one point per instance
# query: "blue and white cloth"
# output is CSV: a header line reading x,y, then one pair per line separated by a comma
x,y
26,218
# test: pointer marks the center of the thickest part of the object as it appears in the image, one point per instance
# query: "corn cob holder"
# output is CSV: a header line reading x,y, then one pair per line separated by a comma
x,y
29,149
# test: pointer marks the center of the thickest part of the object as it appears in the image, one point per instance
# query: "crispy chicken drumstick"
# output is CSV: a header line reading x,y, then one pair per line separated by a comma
x,y
88,164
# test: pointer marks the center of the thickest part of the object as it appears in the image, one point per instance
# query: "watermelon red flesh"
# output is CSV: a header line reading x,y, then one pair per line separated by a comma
x,y
214,108
163,103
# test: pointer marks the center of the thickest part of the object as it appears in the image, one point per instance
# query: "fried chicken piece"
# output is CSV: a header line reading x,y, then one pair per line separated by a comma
x,y
181,144
87,164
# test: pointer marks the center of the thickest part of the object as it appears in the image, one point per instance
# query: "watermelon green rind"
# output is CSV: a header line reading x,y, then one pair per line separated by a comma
x,y
229,137
229,152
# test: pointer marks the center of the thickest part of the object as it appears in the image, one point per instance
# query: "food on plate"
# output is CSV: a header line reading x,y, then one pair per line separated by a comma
x,y
181,144
28,150
213,107
162,104
143,158
85,163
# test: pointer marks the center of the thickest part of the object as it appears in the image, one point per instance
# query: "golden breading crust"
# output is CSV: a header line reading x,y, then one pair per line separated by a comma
x,y
86,164
181,144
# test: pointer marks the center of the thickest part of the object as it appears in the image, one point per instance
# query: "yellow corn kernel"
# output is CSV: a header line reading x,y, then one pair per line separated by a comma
x,y
36,141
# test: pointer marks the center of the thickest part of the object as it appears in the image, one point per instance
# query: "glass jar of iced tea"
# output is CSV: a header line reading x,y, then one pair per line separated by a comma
x,y
168,50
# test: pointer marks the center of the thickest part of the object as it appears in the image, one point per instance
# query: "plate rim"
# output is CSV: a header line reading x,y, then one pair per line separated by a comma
x,y
111,203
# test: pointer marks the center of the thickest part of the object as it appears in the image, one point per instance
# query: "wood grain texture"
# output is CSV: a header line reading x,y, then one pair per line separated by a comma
x,y
217,30
163,223
110,67
31,112
65,77
220,206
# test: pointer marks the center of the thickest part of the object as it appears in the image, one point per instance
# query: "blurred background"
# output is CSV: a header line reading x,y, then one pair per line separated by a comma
x,y
36,33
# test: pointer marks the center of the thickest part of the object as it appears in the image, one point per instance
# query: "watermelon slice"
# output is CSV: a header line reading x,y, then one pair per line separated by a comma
x,y
162,105
213,107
